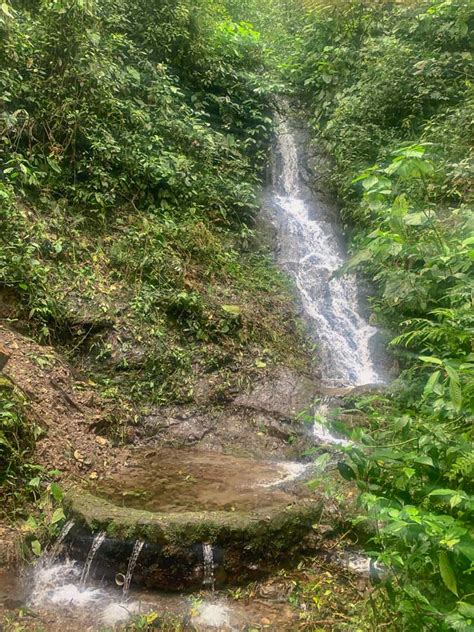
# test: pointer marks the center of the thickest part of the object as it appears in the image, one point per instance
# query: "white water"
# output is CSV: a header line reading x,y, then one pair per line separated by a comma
x,y
208,565
137,548
311,250
60,584
290,471
320,430
55,549
95,546
213,615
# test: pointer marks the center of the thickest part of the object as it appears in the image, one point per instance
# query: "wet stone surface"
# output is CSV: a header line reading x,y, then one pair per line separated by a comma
x,y
167,480
248,513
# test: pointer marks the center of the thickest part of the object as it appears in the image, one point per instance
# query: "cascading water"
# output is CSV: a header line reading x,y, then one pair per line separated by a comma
x,y
95,546
208,565
53,553
137,548
312,251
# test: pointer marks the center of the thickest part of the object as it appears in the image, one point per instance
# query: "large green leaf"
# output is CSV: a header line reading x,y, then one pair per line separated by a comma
x,y
447,572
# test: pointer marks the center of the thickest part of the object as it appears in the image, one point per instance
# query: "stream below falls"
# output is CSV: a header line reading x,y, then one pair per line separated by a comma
x,y
311,250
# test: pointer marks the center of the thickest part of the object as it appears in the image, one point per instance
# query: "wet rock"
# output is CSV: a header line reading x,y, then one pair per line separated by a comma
x,y
230,429
175,501
285,394
245,545
180,429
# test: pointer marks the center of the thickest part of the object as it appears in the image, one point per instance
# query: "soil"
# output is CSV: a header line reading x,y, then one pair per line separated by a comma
x,y
64,406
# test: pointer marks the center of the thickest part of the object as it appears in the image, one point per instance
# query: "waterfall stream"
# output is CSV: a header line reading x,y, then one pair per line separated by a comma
x,y
137,547
95,546
53,553
208,565
311,249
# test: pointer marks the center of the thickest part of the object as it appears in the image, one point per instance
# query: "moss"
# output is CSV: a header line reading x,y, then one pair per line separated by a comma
x,y
261,531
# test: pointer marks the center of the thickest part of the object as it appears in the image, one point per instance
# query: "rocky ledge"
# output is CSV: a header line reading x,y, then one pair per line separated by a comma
x,y
249,514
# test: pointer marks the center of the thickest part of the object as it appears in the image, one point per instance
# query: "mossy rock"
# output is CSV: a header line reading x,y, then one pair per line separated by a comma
x,y
245,544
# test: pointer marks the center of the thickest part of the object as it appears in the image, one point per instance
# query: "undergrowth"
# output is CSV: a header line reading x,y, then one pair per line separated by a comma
x,y
133,142
390,95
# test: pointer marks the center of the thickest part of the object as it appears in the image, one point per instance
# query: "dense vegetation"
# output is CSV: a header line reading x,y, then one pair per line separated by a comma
x,y
133,143
133,140
389,89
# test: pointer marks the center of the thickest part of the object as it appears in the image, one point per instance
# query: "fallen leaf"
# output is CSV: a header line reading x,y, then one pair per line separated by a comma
x,y
78,456
235,310
93,475
36,547
101,440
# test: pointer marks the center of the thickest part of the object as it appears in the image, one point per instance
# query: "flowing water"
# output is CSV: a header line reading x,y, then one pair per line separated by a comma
x,y
56,548
311,249
208,565
95,546
137,547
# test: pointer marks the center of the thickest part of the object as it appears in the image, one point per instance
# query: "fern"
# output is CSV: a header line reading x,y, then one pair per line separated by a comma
x,y
462,470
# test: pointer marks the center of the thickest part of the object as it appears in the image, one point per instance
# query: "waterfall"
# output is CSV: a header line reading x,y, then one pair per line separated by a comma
x,y
137,547
95,546
208,565
311,250
53,553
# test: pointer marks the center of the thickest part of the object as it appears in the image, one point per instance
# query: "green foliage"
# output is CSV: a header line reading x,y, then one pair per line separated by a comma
x,y
133,140
100,116
390,92
17,442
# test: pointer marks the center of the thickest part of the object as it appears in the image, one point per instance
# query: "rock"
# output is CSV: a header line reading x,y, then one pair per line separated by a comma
x,y
4,357
285,394
244,544
181,430
176,500
229,429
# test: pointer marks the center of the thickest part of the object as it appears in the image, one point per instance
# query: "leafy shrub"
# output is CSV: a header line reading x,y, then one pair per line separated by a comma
x,y
390,92
17,441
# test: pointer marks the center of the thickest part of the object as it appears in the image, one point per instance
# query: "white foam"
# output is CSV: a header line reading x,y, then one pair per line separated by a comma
x,y
116,613
321,432
60,585
70,594
291,471
213,615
